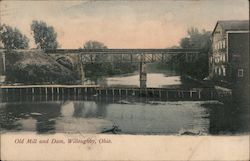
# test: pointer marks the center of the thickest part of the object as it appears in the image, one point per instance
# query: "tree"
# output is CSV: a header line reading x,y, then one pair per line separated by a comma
x,y
185,43
12,38
95,70
44,35
94,45
197,39
201,40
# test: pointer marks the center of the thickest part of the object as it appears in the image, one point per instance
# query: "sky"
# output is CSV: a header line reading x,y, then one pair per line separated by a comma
x,y
121,23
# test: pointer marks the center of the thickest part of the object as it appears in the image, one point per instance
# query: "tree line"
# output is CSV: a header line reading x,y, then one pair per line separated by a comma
x,y
44,36
200,39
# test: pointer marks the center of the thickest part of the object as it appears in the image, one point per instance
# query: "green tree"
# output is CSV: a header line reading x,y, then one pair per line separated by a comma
x,y
201,40
197,39
185,43
94,45
96,69
103,67
45,36
12,38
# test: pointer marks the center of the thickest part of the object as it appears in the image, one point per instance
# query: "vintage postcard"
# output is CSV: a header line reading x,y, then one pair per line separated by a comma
x,y
124,80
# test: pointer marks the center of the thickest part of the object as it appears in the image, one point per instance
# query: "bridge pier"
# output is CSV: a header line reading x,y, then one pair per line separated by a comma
x,y
81,69
2,67
143,74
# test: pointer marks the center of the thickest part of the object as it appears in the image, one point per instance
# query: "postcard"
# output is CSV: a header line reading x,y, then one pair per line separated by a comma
x,y
124,80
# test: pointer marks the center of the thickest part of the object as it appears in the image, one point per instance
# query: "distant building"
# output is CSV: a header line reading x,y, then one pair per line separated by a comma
x,y
229,60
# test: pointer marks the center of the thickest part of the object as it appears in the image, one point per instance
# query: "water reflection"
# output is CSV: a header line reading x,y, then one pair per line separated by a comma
x,y
132,118
26,116
89,109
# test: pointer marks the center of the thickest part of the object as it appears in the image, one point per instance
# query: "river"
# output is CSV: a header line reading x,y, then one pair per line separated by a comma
x,y
128,115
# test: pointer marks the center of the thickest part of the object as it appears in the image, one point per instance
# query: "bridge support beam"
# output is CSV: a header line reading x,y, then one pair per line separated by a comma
x,y
143,74
81,69
2,67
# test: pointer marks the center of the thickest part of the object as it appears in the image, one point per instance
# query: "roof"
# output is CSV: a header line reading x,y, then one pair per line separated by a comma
x,y
233,25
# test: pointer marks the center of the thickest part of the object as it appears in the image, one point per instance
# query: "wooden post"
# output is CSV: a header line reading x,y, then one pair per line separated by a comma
x,y
211,94
159,93
199,94
191,94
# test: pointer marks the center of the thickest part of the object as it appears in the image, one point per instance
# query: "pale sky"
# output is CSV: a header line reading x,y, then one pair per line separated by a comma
x,y
122,24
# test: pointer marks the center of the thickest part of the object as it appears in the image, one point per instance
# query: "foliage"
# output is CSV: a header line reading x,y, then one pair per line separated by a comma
x,y
35,67
12,38
44,36
95,70
197,39
200,40
94,45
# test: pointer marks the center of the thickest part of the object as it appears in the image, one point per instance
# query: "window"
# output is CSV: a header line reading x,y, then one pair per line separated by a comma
x,y
223,57
240,72
224,71
223,44
219,71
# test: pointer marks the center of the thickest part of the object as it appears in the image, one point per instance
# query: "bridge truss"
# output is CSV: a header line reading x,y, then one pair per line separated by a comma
x,y
141,56
129,55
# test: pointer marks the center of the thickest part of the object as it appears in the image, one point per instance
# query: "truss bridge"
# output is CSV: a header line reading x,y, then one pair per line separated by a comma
x,y
141,56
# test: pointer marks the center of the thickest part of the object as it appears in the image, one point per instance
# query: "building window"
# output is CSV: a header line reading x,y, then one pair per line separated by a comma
x,y
223,57
223,44
224,71
219,71
240,72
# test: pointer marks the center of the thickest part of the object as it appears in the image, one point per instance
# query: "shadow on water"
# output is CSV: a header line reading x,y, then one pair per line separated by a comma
x,y
228,118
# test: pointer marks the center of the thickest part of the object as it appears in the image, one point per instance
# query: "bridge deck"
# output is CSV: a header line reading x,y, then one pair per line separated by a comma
x,y
122,51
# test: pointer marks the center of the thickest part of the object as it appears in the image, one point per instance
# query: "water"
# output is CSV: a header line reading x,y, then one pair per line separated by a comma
x,y
130,115
154,80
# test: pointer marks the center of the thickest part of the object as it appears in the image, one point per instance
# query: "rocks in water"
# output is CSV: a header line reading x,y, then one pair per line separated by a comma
x,y
35,114
114,130
190,132
124,102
